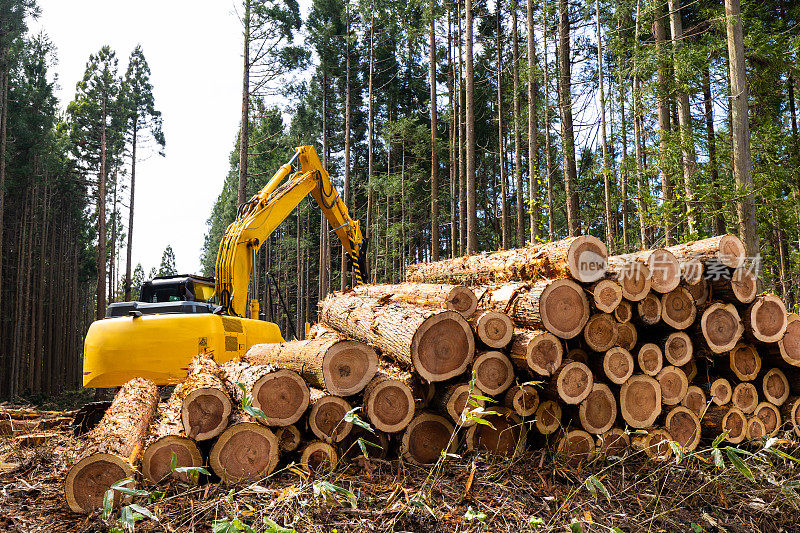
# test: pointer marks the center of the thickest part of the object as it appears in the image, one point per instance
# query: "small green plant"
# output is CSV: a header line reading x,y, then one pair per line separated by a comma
x,y
352,417
471,515
334,494
130,514
247,403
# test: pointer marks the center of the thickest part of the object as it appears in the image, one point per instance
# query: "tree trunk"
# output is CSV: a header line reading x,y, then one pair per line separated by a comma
x,y
245,120
453,103
532,154
100,311
462,169
434,145
505,230
472,213
129,249
370,130
567,133
547,143
606,163
718,225
659,31
347,120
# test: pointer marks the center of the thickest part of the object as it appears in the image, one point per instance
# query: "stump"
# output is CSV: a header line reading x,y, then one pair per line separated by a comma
x,y
765,318
738,286
648,310
572,383
600,332
720,391
453,399
330,362
618,365
206,406
523,399
493,372
745,397
548,417
627,336
112,447
505,436
721,327
684,426
326,417
606,295
744,362
695,400
575,448
439,345
458,298
650,359
726,249
775,386
426,438
623,312
613,443
678,309
633,277
770,415
678,348
598,411
494,329
537,350
319,456
389,401
245,452
640,401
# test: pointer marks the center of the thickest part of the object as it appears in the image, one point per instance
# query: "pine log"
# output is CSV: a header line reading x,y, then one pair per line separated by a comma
x,y
665,271
623,312
701,292
548,417
770,415
650,359
606,295
678,348
426,438
618,365
755,429
744,362
572,383
640,401
633,277
736,286
453,400
726,249
206,405
721,327
789,345
674,385
684,426
281,394
560,306
505,436
720,391
790,413
458,298
575,448
166,437
678,309
389,401
289,438
330,362
493,372
582,258
627,336
598,411
776,387
719,419
600,332
493,328
765,318
319,456
245,452
692,270
537,350
112,447
523,399
648,310
695,400
326,417
655,444
745,397
439,345
613,443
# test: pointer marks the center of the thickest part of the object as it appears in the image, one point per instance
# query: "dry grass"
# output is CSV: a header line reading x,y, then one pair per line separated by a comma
x,y
471,493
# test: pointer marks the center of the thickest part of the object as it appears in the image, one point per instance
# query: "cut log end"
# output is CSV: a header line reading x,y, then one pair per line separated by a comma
x,y
721,391
721,327
575,448
656,444
548,417
650,359
326,419
564,308
700,291
634,278
157,459
678,309
544,353
494,372
289,438
494,329
766,318
454,400
745,362
601,332
627,336
755,429
770,415
640,401
613,443
695,400
678,348
574,383
674,385
282,395
606,295
389,404
348,366
319,456
692,270
775,386
523,399
731,251
599,410
425,438
735,423
618,365
245,452
789,345
684,426
205,413
649,309
623,312
504,437
587,258
462,300
88,480
745,397
443,346
744,285
665,270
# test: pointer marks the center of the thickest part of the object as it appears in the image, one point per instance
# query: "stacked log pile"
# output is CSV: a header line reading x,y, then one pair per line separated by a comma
x,y
560,343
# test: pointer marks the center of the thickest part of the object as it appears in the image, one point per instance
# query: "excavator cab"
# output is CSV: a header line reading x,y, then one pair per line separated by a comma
x,y
185,293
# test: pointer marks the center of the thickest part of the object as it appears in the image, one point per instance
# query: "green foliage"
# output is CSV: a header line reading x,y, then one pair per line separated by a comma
x,y
167,266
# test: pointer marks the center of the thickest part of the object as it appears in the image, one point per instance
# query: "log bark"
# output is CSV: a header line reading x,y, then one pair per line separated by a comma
x,y
623,312
648,310
678,309
606,295
319,456
613,443
458,298
548,417
721,327
330,362
167,437
765,318
618,365
745,397
633,277
650,359
505,436
572,383
493,328
523,399
695,400
744,362
640,401
770,415
112,447
539,351
389,401
674,385
582,258
720,391
776,386
738,286
494,372
425,438
627,336
206,404
598,411
725,249
601,332
678,348
439,345
559,306
452,401
326,417
281,394
575,448
684,426
665,271
719,419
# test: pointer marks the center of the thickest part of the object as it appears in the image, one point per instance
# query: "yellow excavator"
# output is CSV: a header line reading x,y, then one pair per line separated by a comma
x,y
179,316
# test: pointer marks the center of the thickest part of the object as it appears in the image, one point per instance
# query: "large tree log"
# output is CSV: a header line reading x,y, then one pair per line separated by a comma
x,y
206,405
326,416
505,436
737,286
623,312
627,336
618,365
790,412
770,415
678,309
548,417
598,411
425,438
601,332
650,359
665,271
493,372
745,397
674,385
281,394
789,345
755,429
458,298
572,383
330,362
684,426
575,447
678,348
695,400
776,386
633,277
613,443
721,327
452,400
167,437
113,447
493,328
719,419
559,306
648,310
582,258
523,399
765,318
655,444
640,401
725,249
319,456
439,345
744,362
701,292
389,400
720,391
606,295
537,350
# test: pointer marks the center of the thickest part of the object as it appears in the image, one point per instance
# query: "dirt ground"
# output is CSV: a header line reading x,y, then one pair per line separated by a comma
x,y
470,493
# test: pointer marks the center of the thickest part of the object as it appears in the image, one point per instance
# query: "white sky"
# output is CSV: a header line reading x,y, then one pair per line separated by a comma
x,y
193,52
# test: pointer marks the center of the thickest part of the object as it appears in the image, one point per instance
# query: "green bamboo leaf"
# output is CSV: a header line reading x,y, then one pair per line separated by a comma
x,y
739,464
